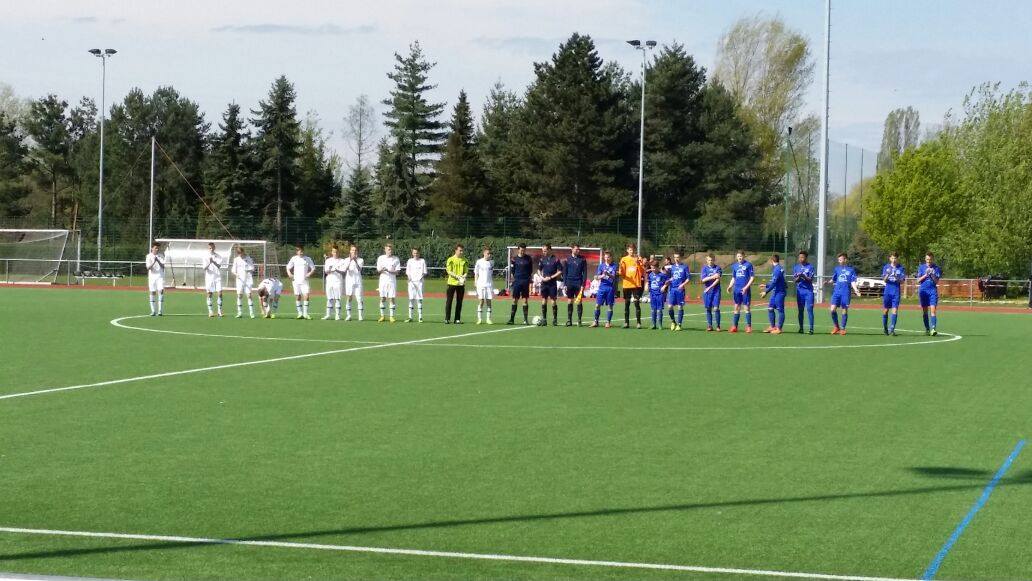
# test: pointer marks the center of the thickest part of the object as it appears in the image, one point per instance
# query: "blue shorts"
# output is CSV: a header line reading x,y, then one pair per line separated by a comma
x,y
928,298
840,299
520,290
743,297
890,300
711,300
605,296
657,300
777,301
549,290
804,298
675,298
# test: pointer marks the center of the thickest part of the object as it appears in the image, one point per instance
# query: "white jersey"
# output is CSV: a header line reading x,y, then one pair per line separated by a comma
x,y
300,267
415,269
352,275
388,267
483,271
334,269
155,265
212,264
243,268
272,285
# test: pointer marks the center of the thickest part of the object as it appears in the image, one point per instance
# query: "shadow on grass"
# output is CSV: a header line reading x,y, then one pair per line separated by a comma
x,y
981,476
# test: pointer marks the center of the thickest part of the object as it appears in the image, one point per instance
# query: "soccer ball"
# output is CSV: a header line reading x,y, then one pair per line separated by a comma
x,y
537,320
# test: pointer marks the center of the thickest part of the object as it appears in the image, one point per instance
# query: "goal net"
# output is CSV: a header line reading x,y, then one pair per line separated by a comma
x,y
592,255
185,259
37,256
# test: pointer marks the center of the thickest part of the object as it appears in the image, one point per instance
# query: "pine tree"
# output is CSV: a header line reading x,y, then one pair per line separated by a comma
x,y
496,148
354,217
415,139
13,190
317,186
48,126
276,148
458,191
574,144
229,184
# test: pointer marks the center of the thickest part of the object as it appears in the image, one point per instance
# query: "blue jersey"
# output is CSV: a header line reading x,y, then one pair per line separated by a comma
x,y
607,272
929,284
777,283
844,277
679,274
708,271
656,282
804,273
741,272
893,276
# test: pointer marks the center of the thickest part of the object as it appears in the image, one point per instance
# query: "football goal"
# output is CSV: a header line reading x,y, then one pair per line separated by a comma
x,y
38,256
185,257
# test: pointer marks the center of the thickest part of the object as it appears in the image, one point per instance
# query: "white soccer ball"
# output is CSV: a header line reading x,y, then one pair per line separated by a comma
x,y
537,320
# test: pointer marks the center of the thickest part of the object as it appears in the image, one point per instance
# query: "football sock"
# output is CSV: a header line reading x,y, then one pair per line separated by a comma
x,y
512,315
598,312
770,316
845,317
834,318
737,317
480,309
419,308
152,306
336,308
781,318
716,315
410,305
659,316
250,306
240,305
709,317
885,322
393,308
680,316
670,312
210,311
555,312
383,306
361,307
637,311
297,305
934,317
892,326
580,312
627,311
161,303
569,312
609,315
526,311
748,318
926,320
544,311
304,308
800,318
809,314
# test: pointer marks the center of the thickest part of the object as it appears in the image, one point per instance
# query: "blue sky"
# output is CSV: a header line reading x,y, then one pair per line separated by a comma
x,y
885,54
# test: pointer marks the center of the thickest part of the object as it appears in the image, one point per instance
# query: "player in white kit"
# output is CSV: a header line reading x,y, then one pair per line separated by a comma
x,y
299,269
269,291
213,278
353,282
156,280
415,269
243,272
483,278
388,265
333,269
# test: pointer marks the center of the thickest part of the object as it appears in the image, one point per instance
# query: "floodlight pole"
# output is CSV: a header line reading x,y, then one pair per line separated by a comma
x,y
788,184
822,196
150,218
638,45
103,56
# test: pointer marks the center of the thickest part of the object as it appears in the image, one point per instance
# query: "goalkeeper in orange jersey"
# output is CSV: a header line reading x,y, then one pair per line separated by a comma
x,y
631,271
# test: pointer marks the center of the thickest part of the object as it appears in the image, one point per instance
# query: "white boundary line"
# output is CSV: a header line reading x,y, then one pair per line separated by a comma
x,y
445,554
244,363
118,323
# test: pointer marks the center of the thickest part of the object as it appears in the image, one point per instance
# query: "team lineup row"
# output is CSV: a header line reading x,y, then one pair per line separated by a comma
x,y
660,283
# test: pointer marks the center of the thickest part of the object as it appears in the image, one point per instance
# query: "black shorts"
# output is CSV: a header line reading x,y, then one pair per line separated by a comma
x,y
549,291
520,290
572,291
632,293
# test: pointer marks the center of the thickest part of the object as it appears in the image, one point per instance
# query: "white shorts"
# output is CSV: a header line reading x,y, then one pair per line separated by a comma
x,y
300,287
212,284
353,287
244,286
485,292
388,289
155,284
415,290
333,290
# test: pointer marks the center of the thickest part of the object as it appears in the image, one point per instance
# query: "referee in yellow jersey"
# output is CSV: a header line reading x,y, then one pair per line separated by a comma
x,y
457,267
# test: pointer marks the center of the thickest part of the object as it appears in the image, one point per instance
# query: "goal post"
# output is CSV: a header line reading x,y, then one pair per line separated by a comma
x,y
185,258
591,254
38,256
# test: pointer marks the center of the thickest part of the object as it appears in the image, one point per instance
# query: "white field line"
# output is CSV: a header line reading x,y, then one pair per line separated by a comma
x,y
118,323
245,363
445,554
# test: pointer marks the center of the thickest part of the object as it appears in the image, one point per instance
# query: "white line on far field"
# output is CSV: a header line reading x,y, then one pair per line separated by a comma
x,y
445,554
255,362
118,323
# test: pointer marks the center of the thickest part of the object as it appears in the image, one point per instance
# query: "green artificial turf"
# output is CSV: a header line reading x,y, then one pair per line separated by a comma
x,y
859,457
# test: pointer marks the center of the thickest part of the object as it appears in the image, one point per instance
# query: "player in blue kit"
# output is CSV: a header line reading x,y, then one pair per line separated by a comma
x,y
742,276
844,279
893,274
928,275
803,273
777,288
606,294
679,277
657,293
710,279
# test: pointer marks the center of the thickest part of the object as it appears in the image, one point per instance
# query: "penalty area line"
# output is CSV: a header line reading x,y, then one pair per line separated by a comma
x,y
445,554
253,362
